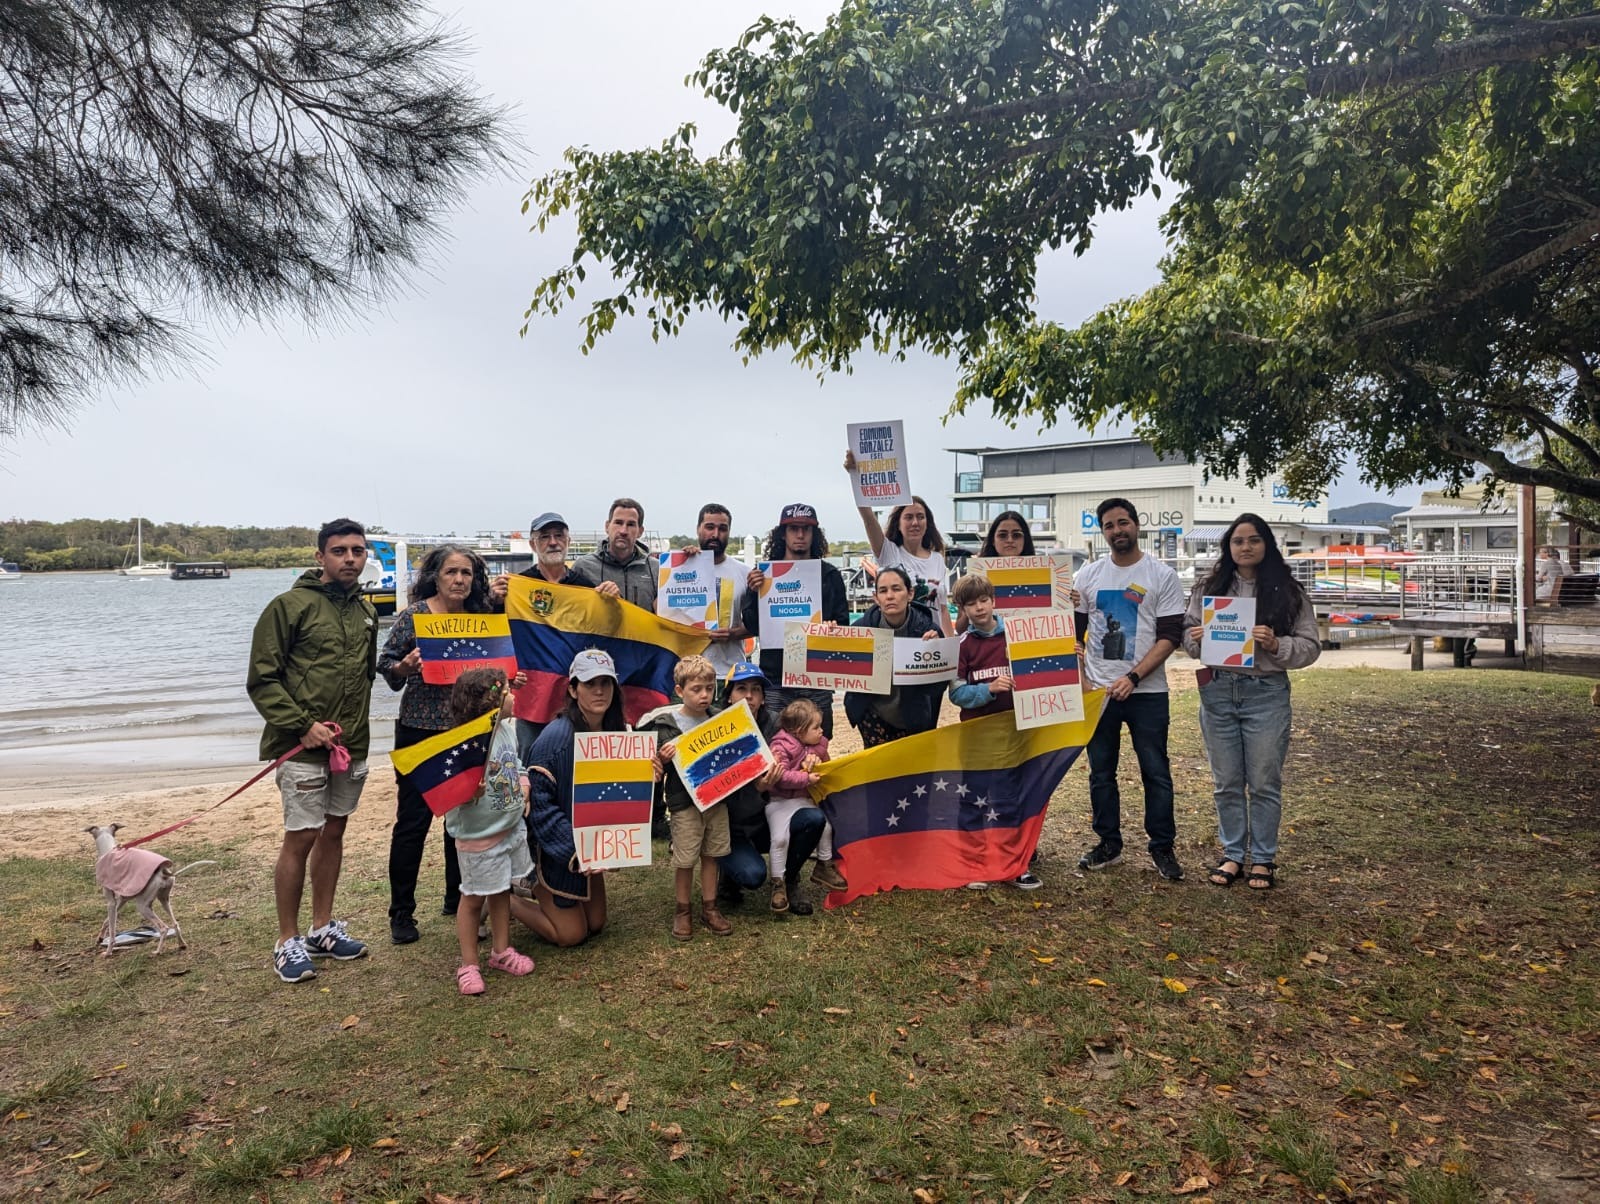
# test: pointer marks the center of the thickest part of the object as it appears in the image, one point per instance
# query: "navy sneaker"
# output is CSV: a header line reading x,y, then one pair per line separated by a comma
x,y
1029,881
1102,855
333,941
291,961
1167,865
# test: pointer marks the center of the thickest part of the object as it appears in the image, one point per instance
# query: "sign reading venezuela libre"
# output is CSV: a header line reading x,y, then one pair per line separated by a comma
x,y
721,755
452,644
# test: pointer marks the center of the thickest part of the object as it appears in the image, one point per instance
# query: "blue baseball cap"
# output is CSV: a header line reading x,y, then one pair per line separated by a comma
x,y
745,671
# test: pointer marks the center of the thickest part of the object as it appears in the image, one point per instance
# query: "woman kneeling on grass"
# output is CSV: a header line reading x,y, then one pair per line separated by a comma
x,y
1244,713
488,832
559,902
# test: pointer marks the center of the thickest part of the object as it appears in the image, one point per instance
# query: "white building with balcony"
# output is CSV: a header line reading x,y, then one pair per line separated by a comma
x,y
1183,508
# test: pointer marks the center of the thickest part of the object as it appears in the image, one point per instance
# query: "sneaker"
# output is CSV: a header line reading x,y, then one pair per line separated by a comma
x,y
1102,855
1167,865
469,979
403,930
333,941
977,886
827,876
509,961
1029,881
291,961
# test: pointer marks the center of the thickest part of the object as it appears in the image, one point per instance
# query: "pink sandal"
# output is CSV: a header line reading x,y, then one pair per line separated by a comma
x,y
470,979
509,961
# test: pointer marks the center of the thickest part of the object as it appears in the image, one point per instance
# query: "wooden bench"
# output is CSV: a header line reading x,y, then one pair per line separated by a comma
x,y
1580,589
1458,629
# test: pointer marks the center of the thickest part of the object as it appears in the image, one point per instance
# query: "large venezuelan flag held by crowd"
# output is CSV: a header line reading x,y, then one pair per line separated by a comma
x,y
551,624
940,809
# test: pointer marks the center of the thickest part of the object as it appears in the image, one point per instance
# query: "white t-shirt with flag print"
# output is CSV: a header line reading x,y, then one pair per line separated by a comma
x,y
1123,603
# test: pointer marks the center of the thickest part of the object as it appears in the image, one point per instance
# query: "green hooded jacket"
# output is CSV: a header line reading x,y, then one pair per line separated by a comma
x,y
312,660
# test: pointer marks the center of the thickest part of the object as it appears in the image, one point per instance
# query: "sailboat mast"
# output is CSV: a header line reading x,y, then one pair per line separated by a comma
x,y
138,556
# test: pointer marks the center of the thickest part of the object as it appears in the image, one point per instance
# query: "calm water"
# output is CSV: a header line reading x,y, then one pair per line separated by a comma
x,y
143,670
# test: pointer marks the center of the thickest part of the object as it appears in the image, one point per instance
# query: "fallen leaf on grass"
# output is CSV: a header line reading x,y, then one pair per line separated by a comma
x,y
923,1195
679,1150
1045,961
1193,1183
670,1132
1176,987
1434,1119
350,1022
343,1156
1096,982
789,1102
486,1155
1487,1072
835,1011
1124,1179
1314,959
819,1109
622,1102
509,1172
385,1143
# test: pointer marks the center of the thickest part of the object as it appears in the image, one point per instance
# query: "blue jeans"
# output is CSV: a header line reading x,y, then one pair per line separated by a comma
x,y
744,865
1146,716
1245,722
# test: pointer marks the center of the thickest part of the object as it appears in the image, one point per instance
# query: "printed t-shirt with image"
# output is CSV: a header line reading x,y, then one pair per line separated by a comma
x,y
1123,603
928,575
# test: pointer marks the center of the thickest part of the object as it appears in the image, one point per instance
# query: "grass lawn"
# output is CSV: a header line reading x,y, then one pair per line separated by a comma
x,y
1411,1014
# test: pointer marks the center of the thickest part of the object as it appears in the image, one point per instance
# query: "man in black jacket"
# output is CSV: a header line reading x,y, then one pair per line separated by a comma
x,y
797,537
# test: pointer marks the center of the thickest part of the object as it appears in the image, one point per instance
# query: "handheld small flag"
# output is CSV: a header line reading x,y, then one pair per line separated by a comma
x,y
447,769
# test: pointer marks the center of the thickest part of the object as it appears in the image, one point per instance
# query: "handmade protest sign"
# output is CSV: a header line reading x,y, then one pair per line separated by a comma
x,y
613,781
925,662
792,592
1027,582
1042,646
1226,640
689,591
817,656
721,755
880,477
452,644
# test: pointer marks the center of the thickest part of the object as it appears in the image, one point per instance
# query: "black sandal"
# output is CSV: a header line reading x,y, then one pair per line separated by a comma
x,y
1222,877
1261,876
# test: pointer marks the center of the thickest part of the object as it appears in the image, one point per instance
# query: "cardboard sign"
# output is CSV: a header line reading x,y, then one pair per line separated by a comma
x,y
613,781
925,662
818,656
880,477
689,590
722,754
1027,582
1042,646
792,593
1226,641
452,644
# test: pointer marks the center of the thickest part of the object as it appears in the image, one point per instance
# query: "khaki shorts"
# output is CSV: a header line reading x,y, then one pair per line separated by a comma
x,y
697,834
311,794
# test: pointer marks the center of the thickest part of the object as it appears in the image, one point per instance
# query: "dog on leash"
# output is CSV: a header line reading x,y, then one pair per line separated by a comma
x,y
137,876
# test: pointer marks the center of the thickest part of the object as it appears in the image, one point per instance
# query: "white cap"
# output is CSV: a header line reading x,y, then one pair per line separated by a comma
x,y
592,663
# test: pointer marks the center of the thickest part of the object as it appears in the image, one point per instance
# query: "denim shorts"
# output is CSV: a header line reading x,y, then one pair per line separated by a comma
x,y
490,872
311,793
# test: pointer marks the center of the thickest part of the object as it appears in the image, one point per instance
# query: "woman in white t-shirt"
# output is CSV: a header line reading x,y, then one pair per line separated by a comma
x,y
911,542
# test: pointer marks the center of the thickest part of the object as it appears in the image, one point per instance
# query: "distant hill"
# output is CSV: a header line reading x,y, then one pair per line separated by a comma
x,y
1365,512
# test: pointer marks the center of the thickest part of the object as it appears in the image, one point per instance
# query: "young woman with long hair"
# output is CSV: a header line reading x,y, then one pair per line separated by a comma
x,y
1245,713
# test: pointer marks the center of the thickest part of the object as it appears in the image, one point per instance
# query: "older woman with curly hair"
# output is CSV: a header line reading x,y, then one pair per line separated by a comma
x,y
451,580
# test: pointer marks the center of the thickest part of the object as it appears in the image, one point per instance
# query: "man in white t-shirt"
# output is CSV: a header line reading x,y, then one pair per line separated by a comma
x,y
727,646
1130,619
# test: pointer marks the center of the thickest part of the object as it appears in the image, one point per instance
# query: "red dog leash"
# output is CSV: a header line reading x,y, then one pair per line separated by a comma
x,y
298,748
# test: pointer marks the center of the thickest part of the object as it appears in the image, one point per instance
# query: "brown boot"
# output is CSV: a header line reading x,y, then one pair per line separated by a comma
x,y
682,929
780,896
712,918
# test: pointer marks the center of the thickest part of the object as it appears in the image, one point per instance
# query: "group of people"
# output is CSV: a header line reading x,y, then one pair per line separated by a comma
x,y
510,852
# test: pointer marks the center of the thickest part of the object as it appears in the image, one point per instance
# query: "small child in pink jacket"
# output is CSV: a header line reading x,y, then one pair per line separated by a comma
x,y
798,747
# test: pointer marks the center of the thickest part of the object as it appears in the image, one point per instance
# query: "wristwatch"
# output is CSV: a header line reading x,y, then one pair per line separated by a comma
x,y
1132,676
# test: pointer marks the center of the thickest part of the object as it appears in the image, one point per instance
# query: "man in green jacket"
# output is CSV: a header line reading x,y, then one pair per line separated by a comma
x,y
312,661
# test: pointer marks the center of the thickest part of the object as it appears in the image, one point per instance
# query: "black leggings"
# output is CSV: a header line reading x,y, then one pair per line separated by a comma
x,y
412,819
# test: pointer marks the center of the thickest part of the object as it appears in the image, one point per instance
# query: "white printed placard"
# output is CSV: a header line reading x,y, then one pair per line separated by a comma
x,y
879,478
791,593
1027,582
925,662
689,591
1226,641
820,656
1042,646
613,783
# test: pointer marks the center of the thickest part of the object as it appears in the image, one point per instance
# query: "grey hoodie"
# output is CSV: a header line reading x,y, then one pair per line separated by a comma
x,y
636,580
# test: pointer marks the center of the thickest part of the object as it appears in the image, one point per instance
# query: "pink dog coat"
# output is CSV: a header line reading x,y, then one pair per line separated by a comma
x,y
126,872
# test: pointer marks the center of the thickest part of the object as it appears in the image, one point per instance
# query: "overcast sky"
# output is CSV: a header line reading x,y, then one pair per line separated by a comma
x,y
432,415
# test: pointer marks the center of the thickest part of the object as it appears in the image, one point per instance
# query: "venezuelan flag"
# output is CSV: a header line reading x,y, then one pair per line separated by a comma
x,y
1022,589
606,793
1043,664
551,624
447,769
839,654
941,809
452,644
